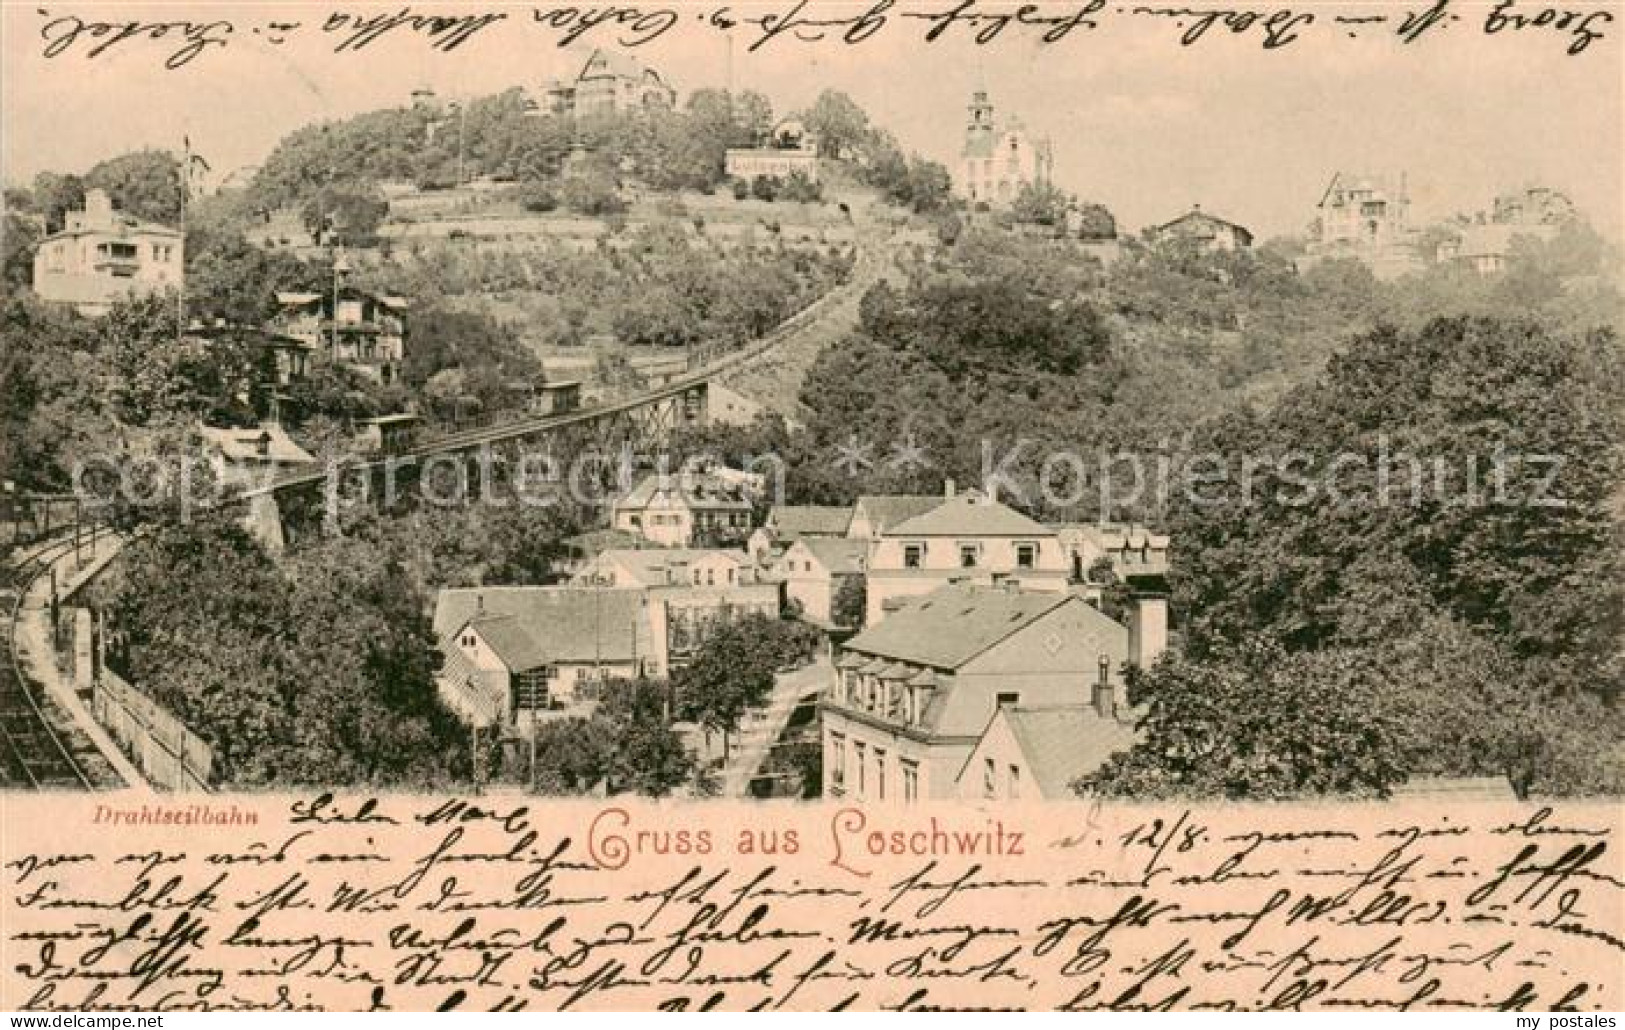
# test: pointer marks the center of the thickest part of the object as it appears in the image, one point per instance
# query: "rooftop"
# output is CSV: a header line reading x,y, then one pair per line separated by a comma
x,y
1064,742
839,556
949,626
887,510
792,521
532,626
967,515
694,490
654,567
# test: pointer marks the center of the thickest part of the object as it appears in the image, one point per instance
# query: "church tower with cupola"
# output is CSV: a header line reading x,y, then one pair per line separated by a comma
x,y
997,160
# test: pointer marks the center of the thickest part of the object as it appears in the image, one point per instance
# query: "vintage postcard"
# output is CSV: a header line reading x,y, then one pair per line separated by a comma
x,y
812,505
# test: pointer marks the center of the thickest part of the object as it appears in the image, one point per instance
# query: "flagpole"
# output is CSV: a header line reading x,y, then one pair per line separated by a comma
x,y
186,190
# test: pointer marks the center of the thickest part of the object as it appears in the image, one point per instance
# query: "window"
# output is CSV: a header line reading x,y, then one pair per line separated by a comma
x,y
990,773
968,554
1026,555
837,760
913,555
860,757
880,774
1015,782
911,781
532,689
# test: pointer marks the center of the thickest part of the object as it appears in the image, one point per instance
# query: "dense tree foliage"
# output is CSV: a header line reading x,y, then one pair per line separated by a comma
x,y
1445,551
146,184
663,287
625,745
733,669
316,672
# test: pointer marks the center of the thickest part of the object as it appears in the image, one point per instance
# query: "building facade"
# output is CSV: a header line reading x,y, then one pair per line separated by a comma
x,y
790,149
912,697
101,256
362,330
681,510
999,157
1368,218
515,652
1205,231
814,570
967,538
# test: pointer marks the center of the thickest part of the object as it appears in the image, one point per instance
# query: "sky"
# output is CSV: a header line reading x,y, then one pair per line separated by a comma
x,y
1139,123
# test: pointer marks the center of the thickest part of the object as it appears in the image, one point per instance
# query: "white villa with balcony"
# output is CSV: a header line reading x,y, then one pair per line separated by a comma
x,y
102,256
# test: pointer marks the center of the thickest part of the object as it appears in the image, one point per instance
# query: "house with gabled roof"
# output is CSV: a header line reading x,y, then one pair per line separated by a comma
x,y
511,652
912,697
872,514
252,456
688,589
969,537
813,571
787,523
1037,752
1207,231
363,330
682,510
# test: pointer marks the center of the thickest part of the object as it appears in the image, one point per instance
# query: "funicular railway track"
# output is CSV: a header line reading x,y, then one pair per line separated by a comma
x,y
37,746
866,269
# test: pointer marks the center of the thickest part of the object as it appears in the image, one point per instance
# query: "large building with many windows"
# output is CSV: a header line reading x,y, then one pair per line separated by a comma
x,y
912,697
102,255
967,537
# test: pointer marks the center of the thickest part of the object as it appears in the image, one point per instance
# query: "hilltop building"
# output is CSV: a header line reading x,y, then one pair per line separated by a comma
x,y
1485,244
1205,230
101,256
1366,217
999,157
914,698
789,149
609,83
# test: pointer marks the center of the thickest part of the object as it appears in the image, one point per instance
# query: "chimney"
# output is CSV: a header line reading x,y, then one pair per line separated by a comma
x,y
98,206
1147,629
948,488
262,444
479,605
1105,696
